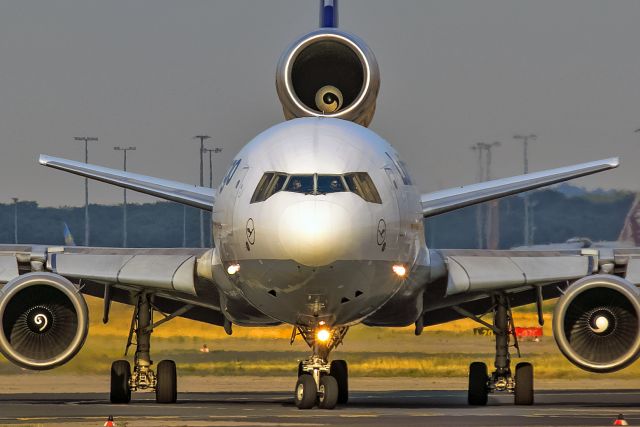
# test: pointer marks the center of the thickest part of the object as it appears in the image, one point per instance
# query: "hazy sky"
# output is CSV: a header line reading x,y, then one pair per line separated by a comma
x,y
154,73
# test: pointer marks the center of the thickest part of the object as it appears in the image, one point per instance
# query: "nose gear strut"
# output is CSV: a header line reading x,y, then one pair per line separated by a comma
x,y
319,381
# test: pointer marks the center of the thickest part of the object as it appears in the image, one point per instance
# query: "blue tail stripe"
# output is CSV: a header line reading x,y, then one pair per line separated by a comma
x,y
328,13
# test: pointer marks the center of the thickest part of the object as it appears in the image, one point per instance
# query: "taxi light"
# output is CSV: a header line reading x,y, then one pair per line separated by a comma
x,y
400,270
233,269
323,335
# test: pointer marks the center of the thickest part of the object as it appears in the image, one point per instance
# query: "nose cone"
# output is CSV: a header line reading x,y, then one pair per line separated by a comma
x,y
315,233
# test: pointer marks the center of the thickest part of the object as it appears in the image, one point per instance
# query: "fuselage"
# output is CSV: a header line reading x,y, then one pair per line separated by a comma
x,y
317,219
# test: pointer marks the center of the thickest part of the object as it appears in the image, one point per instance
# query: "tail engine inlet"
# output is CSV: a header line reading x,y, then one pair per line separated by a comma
x,y
44,320
328,73
596,323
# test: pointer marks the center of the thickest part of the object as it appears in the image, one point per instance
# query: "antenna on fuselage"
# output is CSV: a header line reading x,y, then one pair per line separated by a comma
x,y
328,13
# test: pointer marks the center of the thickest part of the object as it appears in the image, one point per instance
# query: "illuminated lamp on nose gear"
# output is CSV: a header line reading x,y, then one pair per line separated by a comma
x,y
323,335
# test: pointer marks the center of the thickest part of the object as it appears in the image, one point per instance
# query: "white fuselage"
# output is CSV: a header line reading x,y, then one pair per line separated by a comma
x,y
325,251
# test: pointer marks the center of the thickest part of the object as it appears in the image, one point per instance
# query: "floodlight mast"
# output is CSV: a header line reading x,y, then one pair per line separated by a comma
x,y
527,208
124,195
201,138
86,140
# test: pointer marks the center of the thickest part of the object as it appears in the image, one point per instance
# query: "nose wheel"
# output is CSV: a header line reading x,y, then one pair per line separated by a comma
x,y
321,383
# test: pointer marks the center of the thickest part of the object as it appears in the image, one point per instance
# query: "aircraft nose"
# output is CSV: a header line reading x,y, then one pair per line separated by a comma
x,y
315,233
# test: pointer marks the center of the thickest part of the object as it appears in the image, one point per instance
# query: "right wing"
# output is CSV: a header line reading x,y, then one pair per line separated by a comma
x,y
451,199
192,195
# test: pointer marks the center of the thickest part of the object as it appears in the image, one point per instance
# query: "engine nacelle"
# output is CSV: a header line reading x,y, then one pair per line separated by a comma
x,y
328,73
596,323
44,320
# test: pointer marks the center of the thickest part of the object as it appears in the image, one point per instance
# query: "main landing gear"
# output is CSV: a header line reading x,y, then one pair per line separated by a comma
x,y
321,382
502,379
124,380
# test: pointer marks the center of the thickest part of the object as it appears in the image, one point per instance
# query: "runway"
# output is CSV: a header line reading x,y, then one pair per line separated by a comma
x,y
400,408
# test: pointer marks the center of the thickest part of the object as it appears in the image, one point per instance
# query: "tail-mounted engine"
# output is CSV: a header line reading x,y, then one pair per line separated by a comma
x,y
596,323
328,73
44,320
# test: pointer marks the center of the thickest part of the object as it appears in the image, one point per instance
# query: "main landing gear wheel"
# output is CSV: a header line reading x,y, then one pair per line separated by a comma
x,y
328,393
167,385
524,384
340,372
120,376
306,392
478,390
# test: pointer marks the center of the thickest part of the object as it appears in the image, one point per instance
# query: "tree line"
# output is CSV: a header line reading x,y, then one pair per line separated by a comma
x,y
557,217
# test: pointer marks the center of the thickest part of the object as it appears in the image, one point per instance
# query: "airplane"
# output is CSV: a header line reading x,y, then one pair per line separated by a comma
x,y
318,225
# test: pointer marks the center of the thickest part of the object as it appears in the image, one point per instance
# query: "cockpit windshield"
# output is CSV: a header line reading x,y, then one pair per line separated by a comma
x,y
300,184
359,183
330,184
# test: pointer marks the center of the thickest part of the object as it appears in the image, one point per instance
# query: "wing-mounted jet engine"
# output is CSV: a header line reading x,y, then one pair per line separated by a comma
x,y
329,73
596,323
44,320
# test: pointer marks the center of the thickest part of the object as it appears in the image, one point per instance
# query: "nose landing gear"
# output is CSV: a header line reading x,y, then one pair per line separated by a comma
x,y
321,382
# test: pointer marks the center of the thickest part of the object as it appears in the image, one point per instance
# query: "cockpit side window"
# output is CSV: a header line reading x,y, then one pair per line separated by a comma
x,y
259,194
270,184
362,184
330,184
300,184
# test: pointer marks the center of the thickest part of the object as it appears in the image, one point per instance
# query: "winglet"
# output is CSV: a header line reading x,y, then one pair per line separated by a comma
x,y
455,198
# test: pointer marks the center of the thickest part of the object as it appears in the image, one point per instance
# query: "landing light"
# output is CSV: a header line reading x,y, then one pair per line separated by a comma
x,y
233,269
323,335
400,270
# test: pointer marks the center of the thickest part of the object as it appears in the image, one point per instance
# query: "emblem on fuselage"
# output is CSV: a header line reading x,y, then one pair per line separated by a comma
x,y
251,233
381,234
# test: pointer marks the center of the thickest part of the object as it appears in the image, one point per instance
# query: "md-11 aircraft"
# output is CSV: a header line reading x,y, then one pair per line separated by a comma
x,y
317,225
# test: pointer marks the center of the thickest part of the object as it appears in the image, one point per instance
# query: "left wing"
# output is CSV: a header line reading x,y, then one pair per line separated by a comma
x,y
192,195
455,198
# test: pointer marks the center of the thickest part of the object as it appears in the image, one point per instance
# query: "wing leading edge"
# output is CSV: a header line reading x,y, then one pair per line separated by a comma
x,y
192,195
455,198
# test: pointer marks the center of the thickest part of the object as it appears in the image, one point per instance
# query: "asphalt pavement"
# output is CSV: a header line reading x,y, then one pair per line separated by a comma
x,y
399,408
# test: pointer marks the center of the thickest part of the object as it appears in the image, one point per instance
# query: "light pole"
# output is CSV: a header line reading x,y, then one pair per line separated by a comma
x,y
124,194
525,145
211,151
202,138
86,140
215,150
493,213
478,147
15,220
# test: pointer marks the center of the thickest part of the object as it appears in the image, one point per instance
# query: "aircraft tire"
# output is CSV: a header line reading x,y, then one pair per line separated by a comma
x,y
340,371
305,394
120,375
524,384
478,391
167,382
328,392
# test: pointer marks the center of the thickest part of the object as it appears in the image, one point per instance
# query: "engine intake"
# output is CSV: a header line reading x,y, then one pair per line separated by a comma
x,y
44,320
596,323
328,73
